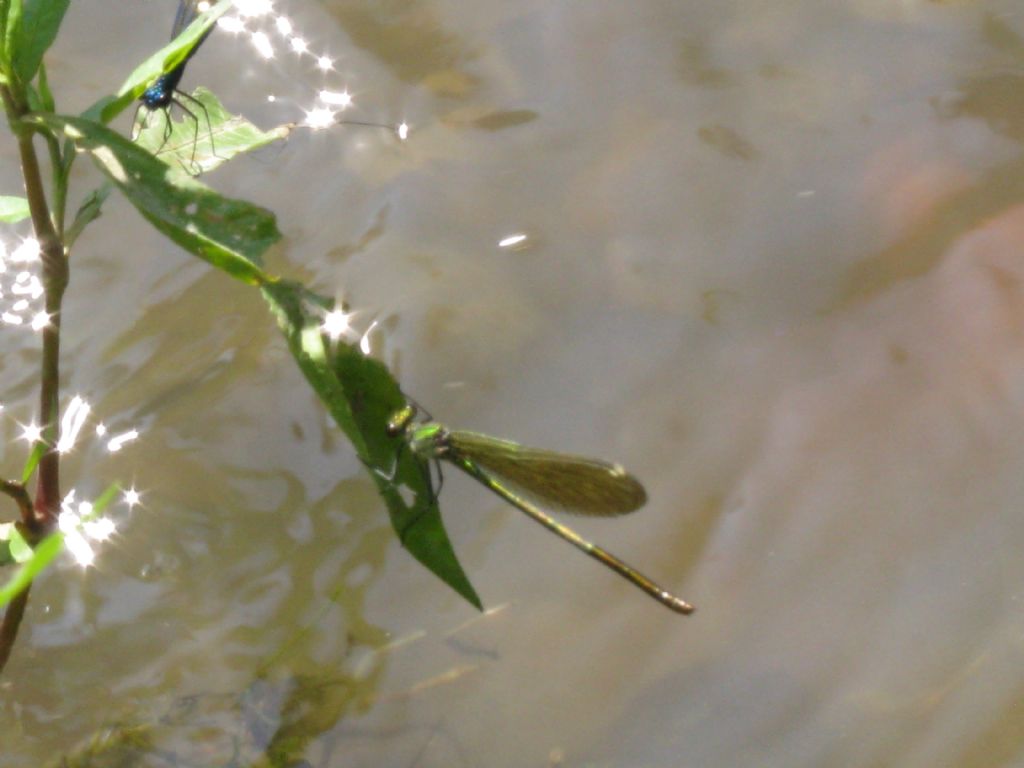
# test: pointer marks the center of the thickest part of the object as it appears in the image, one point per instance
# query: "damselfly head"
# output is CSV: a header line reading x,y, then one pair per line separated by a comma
x,y
400,420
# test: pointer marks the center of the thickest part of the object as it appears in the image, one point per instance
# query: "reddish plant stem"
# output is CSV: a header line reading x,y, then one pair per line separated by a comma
x,y
55,281
43,516
9,628
47,503
17,492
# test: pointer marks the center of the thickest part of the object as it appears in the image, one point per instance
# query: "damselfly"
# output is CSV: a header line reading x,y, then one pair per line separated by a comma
x,y
164,92
576,484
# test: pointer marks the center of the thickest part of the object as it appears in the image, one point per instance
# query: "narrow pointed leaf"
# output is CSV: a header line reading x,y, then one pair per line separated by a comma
x,y
46,101
90,210
13,547
361,395
38,449
43,555
34,34
14,10
21,550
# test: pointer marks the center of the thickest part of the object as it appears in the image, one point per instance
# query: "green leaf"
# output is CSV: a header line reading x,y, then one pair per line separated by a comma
x,y
13,209
38,449
232,235
361,395
6,558
21,550
34,34
43,555
12,28
103,500
46,101
7,533
35,101
164,60
206,136
90,210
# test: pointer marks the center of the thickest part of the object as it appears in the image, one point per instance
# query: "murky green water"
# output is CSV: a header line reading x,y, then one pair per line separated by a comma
x,y
774,265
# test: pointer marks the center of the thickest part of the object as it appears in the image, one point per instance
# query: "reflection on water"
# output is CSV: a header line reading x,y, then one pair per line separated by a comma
x,y
773,264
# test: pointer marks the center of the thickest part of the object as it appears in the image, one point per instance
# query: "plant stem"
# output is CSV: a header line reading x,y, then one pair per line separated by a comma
x,y
55,281
47,502
9,628
17,492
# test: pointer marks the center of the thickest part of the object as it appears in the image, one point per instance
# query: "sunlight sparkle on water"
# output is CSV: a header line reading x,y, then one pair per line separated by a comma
x,y
403,131
364,340
231,24
337,323
100,529
512,240
67,509
336,98
132,497
262,44
71,522
319,118
117,442
254,7
299,45
27,284
77,545
31,433
78,524
325,63
71,423
22,287
25,253
283,25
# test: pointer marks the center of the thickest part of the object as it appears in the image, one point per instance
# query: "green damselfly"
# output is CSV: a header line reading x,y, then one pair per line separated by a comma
x,y
575,484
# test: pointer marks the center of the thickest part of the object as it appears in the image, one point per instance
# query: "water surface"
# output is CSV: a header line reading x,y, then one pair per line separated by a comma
x,y
773,265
